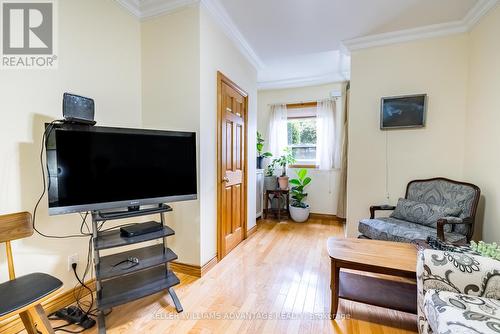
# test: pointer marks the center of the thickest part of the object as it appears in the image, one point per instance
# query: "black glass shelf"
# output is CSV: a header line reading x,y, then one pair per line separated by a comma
x,y
113,238
127,288
113,265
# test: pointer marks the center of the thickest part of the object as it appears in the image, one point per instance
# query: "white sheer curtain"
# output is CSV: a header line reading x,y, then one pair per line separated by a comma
x,y
328,147
278,133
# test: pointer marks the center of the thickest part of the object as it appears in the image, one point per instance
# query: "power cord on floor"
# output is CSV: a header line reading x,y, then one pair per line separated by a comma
x,y
73,317
62,328
76,315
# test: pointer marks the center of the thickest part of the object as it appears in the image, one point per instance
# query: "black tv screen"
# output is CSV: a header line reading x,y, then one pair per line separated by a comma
x,y
97,168
403,112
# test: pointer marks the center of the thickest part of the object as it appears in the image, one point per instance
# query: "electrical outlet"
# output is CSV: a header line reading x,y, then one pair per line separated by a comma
x,y
72,259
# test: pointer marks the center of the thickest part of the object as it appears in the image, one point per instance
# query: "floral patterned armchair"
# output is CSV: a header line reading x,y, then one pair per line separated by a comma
x,y
457,293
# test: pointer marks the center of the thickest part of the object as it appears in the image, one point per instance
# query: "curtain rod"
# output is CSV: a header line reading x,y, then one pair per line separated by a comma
x,y
304,102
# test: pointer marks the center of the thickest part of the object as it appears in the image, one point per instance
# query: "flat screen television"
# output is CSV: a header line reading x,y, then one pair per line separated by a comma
x,y
98,168
403,112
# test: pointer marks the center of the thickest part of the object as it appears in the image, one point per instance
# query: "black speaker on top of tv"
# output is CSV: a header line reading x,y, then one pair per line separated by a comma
x,y
78,109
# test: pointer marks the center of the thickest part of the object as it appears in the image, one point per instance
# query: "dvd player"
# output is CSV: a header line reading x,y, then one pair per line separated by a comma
x,y
139,229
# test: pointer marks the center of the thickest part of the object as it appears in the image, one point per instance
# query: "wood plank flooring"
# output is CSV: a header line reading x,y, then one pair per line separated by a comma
x,y
282,269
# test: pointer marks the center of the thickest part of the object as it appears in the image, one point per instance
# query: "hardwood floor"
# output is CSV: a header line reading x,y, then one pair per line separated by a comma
x,y
283,268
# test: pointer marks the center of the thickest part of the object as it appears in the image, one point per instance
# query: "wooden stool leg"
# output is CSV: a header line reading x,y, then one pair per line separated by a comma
x,y
28,323
288,204
266,205
279,208
37,313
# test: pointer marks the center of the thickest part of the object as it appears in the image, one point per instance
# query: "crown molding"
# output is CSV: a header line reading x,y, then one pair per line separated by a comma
x,y
221,16
436,30
312,80
145,9
133,6
154,8
478,12
407,35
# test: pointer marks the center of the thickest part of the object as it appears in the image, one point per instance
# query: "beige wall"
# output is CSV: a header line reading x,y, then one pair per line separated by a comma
x,y
99,56
438,67
322,192
171,101
218,53
180,93
482,140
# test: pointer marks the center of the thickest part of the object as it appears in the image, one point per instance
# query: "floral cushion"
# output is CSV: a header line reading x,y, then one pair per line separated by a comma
x,y
462,273
391,229
424,213
476,278
451,312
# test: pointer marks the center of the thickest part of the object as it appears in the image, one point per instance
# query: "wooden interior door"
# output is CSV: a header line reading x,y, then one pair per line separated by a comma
x,y
232,206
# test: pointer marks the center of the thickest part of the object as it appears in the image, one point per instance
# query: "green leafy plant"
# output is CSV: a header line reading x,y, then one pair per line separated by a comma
x,y
270,168
260,147
485,249
260,143
266,155
298,185
286,159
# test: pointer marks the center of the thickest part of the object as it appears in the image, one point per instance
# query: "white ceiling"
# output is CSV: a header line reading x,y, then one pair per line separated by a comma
x,y
283,28
302,42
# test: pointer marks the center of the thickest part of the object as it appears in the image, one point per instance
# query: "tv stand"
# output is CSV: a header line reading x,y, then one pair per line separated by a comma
x,y
118,282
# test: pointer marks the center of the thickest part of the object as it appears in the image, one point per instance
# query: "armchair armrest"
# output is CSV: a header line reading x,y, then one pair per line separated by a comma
x,y
456,272
450,221
374,208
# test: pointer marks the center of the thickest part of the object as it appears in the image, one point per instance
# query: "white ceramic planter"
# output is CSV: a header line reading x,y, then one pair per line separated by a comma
x,y
299,215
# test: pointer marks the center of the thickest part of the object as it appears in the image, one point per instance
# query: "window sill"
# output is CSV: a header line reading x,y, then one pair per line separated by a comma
x,y
304,166
314,167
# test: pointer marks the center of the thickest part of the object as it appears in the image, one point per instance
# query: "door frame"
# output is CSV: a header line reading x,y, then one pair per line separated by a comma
x,y
221,78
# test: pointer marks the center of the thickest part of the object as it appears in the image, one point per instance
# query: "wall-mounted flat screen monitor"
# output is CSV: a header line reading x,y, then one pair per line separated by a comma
x,y
403,112
98,168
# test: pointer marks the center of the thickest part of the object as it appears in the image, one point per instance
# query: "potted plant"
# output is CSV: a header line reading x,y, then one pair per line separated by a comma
x,y
270,180
261,155
286,159
299,211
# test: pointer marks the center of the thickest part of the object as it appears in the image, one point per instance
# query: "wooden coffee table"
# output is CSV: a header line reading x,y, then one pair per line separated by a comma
x,y
399,260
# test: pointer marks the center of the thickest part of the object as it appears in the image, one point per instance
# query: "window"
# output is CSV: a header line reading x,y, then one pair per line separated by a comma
x,y
302,133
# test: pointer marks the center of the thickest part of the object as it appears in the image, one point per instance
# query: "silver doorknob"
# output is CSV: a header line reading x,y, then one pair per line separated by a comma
x,y
225,179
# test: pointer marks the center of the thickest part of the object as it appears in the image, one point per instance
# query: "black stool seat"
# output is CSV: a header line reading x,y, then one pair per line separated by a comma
x,y
25,290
